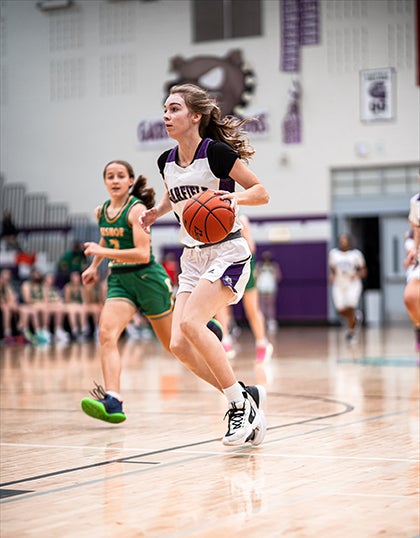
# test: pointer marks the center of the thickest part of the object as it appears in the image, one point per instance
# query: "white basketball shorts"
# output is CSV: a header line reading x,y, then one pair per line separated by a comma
x,y
347,295
229,261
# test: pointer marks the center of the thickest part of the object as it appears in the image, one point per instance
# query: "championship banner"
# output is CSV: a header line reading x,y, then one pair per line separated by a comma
x,y
377,94
299,25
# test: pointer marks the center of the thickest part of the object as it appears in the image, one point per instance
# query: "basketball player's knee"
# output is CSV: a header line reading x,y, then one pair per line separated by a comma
x,y
107,335
178,346
186,326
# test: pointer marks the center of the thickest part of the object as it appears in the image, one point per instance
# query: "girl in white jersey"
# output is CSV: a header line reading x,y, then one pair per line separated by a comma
x,y
347,269
210,155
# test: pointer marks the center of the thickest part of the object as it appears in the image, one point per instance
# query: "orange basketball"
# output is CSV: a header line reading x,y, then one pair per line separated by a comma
x,y
207,218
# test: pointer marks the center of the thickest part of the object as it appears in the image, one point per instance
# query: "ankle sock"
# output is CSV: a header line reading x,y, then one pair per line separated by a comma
x,y
115,395
234,393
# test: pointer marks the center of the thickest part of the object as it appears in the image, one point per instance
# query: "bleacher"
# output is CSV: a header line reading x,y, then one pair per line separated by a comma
x,y
46,228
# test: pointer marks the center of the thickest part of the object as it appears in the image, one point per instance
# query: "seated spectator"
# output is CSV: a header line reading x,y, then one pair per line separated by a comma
x,y
33,311
73,299
139,328
93,300
9,306
72,260
11,244
55,308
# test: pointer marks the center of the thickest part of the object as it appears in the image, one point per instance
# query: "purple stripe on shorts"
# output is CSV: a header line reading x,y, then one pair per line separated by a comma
x,y
232,274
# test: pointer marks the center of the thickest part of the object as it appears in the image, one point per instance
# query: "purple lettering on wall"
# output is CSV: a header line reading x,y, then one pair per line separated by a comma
x,y
151,131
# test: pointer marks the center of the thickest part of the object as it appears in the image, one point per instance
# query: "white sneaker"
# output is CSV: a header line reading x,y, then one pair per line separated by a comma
x,y
243,419
61,335
258,397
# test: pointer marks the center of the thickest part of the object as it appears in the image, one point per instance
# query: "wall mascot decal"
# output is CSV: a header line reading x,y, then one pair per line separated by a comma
x,y
226,78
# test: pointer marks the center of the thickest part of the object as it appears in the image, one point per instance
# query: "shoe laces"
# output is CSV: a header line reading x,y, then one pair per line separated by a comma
x,y
236,416
98,392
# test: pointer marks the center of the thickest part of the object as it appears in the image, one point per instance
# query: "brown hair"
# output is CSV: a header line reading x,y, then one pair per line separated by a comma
x,y
139,188
228,129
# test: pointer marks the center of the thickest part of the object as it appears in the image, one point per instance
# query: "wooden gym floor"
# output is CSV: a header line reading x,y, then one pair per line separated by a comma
x,y
340,459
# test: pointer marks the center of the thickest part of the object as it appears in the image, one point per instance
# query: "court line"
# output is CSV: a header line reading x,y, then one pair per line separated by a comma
x,y
163,465
347,409
370,495
213,453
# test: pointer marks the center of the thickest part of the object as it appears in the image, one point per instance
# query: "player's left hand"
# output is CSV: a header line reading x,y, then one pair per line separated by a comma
x,y
225,195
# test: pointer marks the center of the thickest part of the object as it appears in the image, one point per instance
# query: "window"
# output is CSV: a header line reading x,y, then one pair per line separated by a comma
x,y
225,19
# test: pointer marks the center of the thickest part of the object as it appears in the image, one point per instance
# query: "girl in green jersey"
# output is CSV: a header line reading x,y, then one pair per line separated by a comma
x,y
135,282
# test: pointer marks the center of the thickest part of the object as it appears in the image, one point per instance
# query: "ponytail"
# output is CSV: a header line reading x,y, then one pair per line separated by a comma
x,y
144,193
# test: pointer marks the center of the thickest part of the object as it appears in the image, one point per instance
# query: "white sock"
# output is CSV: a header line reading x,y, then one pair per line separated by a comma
x,y
115,395
262,342
234,393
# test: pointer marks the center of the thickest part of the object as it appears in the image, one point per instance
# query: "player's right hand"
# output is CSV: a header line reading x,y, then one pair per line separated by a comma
x,y
147,218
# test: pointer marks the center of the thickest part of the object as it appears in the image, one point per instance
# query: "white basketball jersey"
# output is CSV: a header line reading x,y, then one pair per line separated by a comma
x,y
184,183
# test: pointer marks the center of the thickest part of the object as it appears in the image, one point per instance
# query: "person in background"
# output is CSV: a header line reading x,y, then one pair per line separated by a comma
x,y
55,309
93,300
73,260
73,300
253,312
8,227
9,306
268,276
139,328
347,269
412,265
33,312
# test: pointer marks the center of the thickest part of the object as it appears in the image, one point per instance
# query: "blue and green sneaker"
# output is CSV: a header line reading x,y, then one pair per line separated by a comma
x,y
103,406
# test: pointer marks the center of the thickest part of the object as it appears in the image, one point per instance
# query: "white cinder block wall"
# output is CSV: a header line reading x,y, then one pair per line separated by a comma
x,y
76,83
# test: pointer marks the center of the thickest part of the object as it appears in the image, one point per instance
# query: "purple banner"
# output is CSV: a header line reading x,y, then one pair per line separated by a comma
x,y
289,35
309,22
299,25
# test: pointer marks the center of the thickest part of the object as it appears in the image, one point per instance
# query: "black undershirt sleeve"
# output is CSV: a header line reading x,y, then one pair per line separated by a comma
x,y
221,158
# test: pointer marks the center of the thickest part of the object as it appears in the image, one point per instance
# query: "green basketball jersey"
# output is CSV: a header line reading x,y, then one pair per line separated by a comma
x,y
117,232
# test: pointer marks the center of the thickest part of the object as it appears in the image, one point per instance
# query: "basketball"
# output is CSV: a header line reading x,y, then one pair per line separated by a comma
x,y
208,218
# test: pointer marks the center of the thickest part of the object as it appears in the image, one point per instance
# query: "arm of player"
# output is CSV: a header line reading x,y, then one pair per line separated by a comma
x,y
254,192
140,253
149,217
